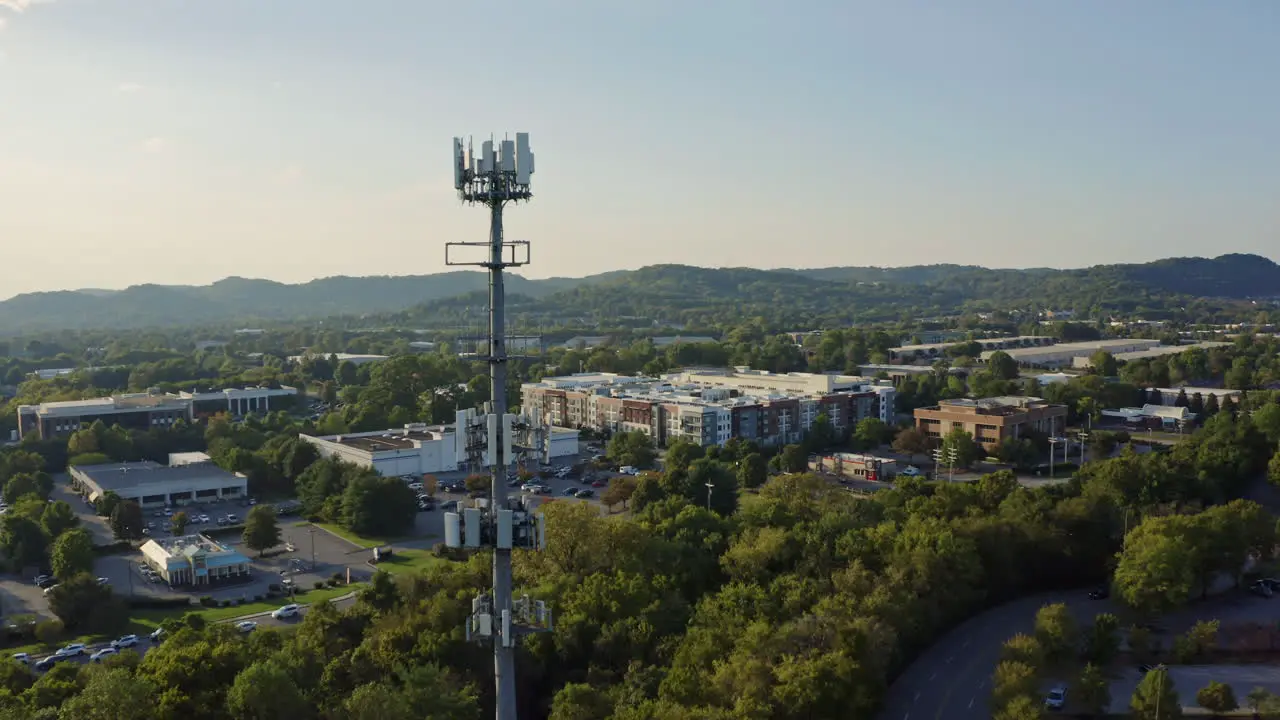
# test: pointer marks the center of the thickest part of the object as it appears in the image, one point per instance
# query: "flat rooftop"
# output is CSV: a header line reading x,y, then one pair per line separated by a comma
x,y
180,545
118,476
389,440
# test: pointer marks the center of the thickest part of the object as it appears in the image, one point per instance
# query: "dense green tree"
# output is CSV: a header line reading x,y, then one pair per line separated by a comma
x,y
960,445
72,554
1092,691
265,691
126,520
1155,698
1217,698
58,517
178,522
1056,630
631,448
1002,366
793,458
752,470
85,606
261,530
373,505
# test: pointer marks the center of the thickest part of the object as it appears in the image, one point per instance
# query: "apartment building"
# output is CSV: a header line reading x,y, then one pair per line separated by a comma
x,y
708,406
991,420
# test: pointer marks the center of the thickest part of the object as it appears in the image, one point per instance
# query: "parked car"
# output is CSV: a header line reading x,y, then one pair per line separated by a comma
x,y
48,589
42,580
72,650
1100,593
125,641
599,484
22,658
157,635
1056,698
48,662
232,519
102,654
246,626
1261,588
286,611
570,492
104,581
585,493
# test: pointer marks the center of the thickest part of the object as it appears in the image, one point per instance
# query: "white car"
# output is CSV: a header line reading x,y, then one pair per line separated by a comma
x,y
71,650
287,611
156,634
1056,698
202,518
246,626
415,486
22,658
104,581
49,589
102,654
232,519
126,641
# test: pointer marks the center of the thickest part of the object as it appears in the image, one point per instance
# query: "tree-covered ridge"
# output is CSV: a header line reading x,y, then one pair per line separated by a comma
x,y
677,293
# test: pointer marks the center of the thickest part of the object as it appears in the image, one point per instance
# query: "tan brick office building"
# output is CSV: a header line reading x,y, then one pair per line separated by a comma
x,y
991,420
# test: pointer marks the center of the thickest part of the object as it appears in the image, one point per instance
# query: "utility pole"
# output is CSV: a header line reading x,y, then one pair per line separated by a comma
x,y
710,487
1053,443
497,175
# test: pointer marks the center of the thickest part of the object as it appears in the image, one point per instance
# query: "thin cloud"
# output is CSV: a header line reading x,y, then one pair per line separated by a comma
x,y
155,145
3,22
22,5
130,87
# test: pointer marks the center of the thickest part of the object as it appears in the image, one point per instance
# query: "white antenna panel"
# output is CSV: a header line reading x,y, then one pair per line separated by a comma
x,y
458,161
486,157
508,156
471,528
452,530
524,159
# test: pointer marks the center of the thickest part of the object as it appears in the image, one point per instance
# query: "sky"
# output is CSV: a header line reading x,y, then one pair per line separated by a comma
x,y
183,141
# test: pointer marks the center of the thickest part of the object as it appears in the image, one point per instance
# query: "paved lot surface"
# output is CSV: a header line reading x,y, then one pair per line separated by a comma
x,y
19,596
1188,679
952,678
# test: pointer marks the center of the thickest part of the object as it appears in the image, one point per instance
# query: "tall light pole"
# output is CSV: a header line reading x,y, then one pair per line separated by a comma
x,y
499,174
710,486
1053,443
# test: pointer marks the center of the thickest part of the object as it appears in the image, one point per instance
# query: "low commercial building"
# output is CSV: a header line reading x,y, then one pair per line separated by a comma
x,y
195,560
1064,354
989,421
1169,396
238,401
928,352
859,467
1152,352
142,411
416,449
151,484
354,359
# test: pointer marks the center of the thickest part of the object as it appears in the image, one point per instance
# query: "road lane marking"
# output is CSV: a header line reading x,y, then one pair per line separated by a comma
x,y
975,697
974,661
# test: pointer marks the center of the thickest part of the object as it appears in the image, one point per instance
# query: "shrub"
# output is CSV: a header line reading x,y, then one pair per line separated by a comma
x,y
259,598
158,603
121,546
48,631
273,587
336,577
224,603
319,584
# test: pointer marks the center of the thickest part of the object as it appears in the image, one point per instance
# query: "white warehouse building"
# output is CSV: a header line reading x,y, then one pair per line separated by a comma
x,y
1064,354
416,449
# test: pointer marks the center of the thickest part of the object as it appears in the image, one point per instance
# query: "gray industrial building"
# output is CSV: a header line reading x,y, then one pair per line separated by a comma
x,y
151,484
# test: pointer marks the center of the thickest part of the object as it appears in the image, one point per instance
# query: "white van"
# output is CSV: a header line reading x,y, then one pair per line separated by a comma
x,y
628,470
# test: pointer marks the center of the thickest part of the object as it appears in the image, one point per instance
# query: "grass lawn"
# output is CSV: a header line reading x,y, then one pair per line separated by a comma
x,y
363,540
409,561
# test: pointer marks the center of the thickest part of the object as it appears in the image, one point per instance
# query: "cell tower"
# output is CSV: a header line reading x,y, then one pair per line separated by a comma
x,y
498,175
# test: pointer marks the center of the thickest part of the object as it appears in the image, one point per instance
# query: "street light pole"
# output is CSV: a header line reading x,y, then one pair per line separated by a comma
x,y
710,487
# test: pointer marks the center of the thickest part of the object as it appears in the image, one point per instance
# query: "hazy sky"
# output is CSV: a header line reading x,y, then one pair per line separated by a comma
x,y
181,141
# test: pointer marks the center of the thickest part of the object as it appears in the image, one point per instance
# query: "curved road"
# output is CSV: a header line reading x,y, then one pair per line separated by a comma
x,y
952,678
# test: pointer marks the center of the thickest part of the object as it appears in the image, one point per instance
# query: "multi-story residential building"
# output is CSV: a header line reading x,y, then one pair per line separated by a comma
x,y
708,406
991,420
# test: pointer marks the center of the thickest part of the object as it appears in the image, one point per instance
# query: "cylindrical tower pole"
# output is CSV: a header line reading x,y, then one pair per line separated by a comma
x,y
504,662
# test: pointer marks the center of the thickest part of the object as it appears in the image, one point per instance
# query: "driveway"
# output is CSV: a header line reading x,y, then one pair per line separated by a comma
x,y
952,679
1188,679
